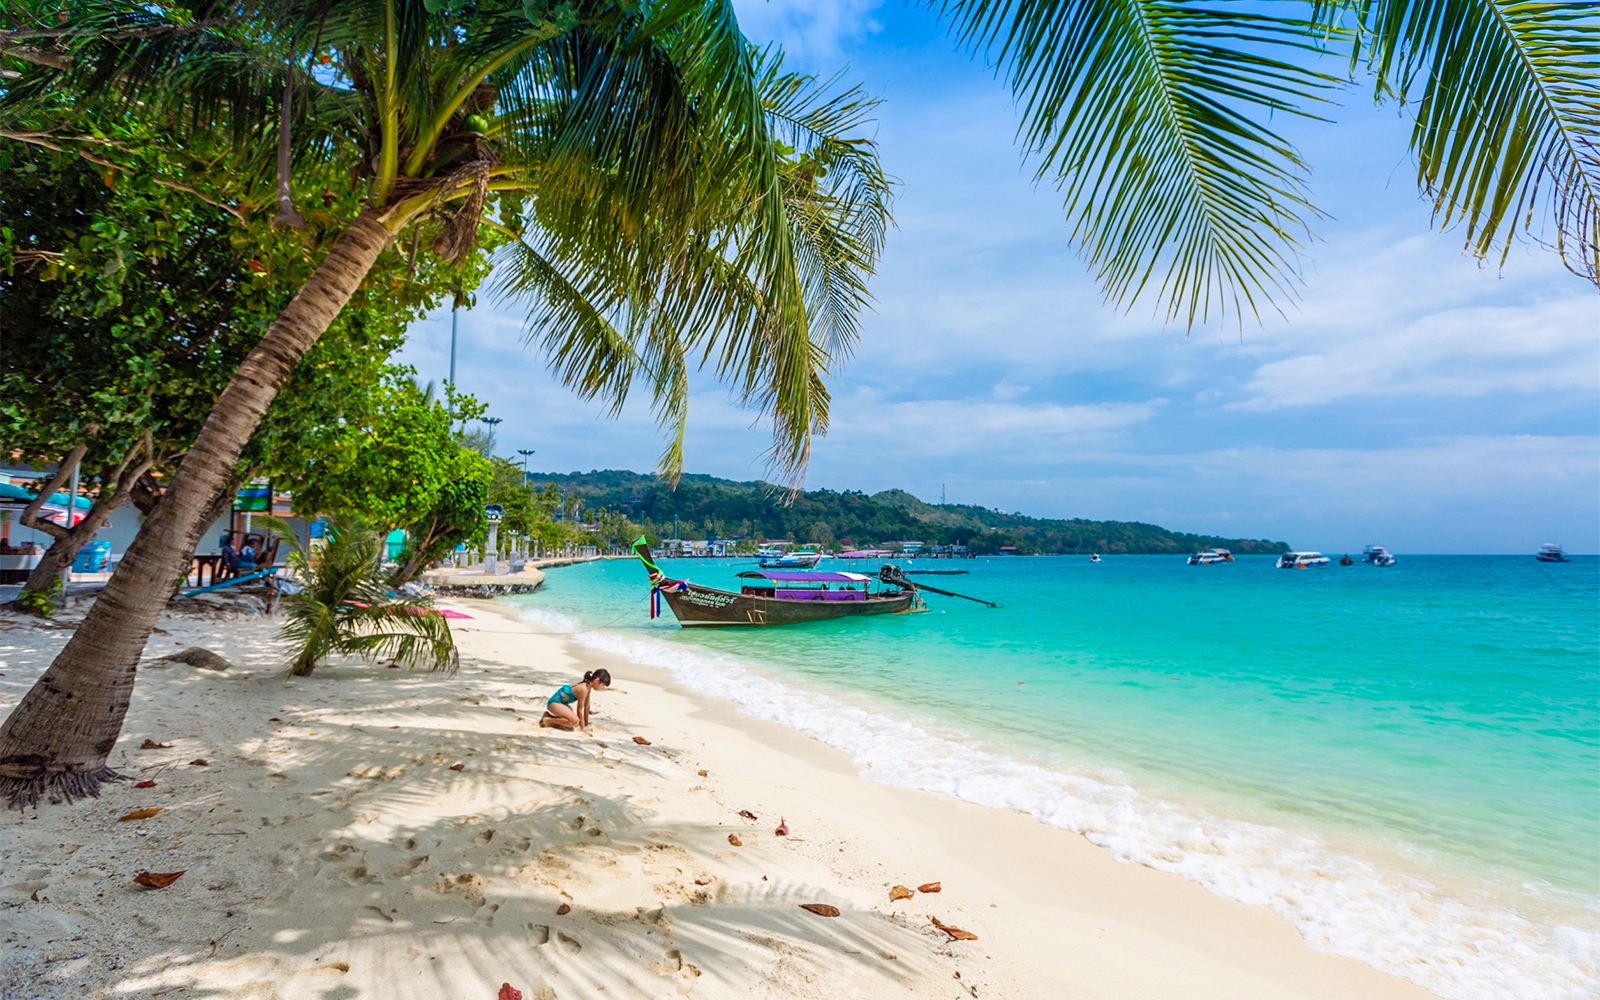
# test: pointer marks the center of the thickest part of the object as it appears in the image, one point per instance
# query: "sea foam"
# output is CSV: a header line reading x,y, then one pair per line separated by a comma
x,y
1478,949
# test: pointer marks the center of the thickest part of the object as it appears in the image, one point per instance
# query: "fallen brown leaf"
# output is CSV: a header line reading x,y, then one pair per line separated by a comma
x,y
641,741
140,814
153,745
704,773
900,892
702,881
733,838
928,887
956,933
563,910
458,767
508,992
783,827
747,814
157,880
821,909
145,784
199,762
274,719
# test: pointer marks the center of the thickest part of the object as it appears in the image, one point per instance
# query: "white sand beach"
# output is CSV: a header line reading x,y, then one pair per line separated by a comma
x,y
372,833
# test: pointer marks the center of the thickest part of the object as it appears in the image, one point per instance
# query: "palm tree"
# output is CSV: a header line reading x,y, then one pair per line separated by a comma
x,y
665,189
343,605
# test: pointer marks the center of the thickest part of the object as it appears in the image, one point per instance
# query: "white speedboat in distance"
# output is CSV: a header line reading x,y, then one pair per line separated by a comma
x,y
1377,555
1211,557
1302,560
1551,552
1095,558
798,559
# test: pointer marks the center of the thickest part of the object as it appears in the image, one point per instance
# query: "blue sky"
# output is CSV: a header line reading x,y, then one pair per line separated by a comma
x,y
1413,398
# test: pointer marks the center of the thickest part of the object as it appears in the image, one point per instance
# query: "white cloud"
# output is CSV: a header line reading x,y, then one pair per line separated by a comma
x,y
810,31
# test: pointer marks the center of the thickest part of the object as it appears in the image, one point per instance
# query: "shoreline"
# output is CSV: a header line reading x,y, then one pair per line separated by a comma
x,y
1103,911
330,840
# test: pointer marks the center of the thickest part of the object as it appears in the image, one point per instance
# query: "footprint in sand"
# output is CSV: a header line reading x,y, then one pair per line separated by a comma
x,y
568,943
280,779
358,875
375,915
408,867
374,772
485,915
405,843
482,839
339,851
470,886
539,934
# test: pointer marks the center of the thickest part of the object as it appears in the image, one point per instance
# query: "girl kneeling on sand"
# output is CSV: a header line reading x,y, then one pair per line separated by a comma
x,y
568,708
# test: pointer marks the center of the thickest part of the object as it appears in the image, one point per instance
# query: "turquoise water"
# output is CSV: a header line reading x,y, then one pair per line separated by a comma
x,y
1401,760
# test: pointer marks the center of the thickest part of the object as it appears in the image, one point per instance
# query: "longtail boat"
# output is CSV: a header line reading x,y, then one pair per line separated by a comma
x,y
772,597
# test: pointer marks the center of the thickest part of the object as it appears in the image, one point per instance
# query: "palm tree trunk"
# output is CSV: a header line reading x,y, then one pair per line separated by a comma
x,y
60,736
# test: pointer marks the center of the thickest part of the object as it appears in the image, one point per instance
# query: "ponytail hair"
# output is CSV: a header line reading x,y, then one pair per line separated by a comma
x,y
602,675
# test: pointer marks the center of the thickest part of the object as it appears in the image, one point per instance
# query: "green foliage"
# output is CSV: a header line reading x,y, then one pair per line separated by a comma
x,y
390,458
127,305
457,516
345,607
41,602
753,510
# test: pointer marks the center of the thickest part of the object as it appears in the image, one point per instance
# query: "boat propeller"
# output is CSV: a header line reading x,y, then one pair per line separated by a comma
x,y
896,577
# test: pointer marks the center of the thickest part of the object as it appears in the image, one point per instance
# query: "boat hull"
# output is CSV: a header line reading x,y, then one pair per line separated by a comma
x,y
703,607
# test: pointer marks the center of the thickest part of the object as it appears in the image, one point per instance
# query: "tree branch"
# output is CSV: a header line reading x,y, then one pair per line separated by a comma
x,y
30,515
38,139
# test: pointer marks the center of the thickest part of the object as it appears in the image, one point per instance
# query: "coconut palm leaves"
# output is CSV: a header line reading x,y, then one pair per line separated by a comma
x,y
660,307
1152,117
344,606
1507,98
1149,116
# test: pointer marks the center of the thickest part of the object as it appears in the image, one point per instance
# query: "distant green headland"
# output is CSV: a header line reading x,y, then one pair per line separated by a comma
x,y
708,507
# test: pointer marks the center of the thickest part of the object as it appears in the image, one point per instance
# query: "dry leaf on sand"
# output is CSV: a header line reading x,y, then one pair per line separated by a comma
x,y
509,992
704,773
145,784
821,909
702,881
641,741
747,814
199,762
928,887
956,933
458,767
157,880
900,892
563,910
140,814
733,838
783,827
153,745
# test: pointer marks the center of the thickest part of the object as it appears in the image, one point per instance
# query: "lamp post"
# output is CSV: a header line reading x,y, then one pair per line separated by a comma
x,y
525,452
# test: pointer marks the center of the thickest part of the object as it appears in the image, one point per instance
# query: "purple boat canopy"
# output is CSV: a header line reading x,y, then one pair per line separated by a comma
x,y
781,577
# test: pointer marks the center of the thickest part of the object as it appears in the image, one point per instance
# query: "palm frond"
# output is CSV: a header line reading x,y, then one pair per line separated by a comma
x,y
344,606
1149,116
1507,104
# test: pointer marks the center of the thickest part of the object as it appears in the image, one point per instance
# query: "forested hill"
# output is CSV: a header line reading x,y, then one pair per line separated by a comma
x,y
706,506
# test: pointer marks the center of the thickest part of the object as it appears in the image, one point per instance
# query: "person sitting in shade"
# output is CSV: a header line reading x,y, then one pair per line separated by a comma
x,y
247,558
230,557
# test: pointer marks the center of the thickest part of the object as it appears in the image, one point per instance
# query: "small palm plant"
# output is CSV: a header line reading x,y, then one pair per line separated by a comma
x,y
345,606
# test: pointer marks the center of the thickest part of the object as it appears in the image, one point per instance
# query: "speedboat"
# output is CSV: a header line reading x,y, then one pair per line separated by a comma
x,y
1210,557
1377,555
1096,558
798,559
1302,560
1551,552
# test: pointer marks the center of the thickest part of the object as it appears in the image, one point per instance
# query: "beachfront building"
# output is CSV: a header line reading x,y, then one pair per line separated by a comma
x,y
910,548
